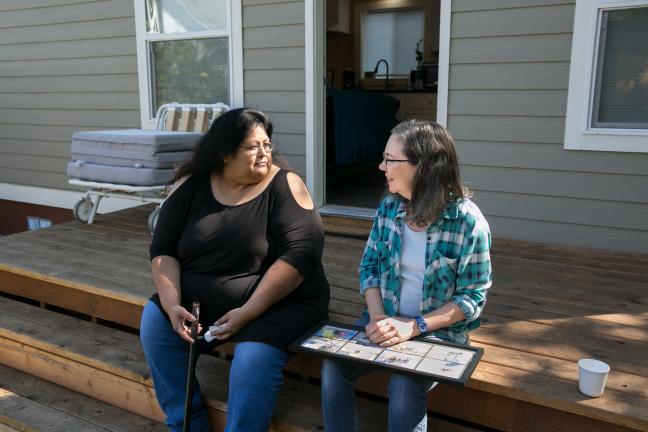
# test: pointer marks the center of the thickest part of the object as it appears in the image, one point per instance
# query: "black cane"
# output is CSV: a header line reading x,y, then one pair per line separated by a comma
x,y
195,311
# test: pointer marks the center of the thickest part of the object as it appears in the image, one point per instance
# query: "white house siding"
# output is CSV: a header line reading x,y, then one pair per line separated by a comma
x,y
65,65
274,75
509,72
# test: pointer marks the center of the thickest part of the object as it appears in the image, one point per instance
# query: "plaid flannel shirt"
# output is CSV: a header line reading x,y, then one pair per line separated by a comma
x,y
457,262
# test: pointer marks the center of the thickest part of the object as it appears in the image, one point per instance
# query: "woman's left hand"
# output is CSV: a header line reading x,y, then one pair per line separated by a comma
x,y
230,324
392,330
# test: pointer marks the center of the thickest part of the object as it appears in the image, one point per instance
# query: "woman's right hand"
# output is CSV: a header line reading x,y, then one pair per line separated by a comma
x,y
181,320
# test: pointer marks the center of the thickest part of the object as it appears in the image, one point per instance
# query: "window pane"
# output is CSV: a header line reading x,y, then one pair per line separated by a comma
x,y
622,72
392,36
178,16
190,71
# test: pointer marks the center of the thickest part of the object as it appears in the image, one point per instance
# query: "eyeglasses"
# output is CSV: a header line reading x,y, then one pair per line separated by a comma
x,y
387,161
256,149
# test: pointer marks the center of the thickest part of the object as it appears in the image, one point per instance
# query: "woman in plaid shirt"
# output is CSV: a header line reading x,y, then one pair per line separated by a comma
x,y
425,270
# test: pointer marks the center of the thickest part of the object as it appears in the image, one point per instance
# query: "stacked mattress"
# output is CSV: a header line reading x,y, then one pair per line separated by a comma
x,y
134,157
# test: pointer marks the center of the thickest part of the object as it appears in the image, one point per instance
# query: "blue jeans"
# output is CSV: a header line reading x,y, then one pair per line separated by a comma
x,y
254,381
407,396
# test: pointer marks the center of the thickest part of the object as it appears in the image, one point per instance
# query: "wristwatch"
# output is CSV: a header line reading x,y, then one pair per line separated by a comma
x,y
421,324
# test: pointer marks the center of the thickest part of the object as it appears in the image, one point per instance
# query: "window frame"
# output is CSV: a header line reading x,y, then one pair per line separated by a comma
x,y
144,64
383,6
579,133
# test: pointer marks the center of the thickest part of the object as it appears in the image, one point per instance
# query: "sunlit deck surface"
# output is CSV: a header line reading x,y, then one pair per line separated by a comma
x,y
549,307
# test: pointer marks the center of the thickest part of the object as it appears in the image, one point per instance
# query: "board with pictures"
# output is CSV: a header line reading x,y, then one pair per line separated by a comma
x,y
443,361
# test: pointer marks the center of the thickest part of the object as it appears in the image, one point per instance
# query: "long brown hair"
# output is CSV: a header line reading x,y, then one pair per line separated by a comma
x,y
437,181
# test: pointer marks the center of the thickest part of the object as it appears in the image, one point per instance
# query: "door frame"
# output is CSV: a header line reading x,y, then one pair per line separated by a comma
x,y
315,53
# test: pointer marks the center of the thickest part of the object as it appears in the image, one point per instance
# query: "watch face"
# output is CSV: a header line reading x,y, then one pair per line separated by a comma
x,y
422,325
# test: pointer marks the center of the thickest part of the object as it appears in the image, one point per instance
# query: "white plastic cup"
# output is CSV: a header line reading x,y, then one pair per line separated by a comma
x,y
592,376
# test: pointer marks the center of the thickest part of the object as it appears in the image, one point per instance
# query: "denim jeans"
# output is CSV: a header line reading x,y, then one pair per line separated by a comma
x,y
254,381
407,396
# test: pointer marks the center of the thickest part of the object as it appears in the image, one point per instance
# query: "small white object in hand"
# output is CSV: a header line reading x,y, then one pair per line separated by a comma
x,y
208,336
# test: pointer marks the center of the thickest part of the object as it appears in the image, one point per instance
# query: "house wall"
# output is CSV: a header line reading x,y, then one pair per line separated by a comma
x,y
509,73
65,65
274,71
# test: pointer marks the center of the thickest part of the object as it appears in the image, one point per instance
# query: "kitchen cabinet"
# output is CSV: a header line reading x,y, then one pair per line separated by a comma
x,y
418,105
338,16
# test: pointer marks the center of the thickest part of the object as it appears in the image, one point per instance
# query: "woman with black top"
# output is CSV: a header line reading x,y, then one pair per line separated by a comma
x,y
242,237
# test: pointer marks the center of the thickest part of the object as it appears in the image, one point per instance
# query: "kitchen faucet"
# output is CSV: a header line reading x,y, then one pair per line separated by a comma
x,y
375,71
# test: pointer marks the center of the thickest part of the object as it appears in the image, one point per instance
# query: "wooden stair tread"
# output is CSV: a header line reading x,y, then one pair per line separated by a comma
x,y
47,406
109,364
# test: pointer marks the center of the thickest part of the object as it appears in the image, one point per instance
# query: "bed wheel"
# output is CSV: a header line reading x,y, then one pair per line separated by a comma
x,y
153,218
82,210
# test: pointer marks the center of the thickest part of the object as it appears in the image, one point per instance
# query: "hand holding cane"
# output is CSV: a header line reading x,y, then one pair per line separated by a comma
x,y
195,311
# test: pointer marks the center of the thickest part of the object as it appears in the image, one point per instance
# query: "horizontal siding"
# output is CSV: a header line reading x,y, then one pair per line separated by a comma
x,y
88,11
61,117
483,5
40,132
90,101
104,47
274,37
544,156
11,5
266,15
264,2
550,130
510,76
65,84
64,66
290,123
277,80
550,103
289,143
102,28
35,178
284,101
564,184
508,22
274,75
577,235
43,148
511,49
274,58
622,215
78,67
509,73
40,163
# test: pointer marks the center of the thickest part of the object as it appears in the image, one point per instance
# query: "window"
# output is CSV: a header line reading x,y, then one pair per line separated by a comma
x,y
608,86
184,52
393,36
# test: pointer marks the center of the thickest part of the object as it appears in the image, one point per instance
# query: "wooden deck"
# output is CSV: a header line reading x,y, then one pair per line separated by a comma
x,y
549,306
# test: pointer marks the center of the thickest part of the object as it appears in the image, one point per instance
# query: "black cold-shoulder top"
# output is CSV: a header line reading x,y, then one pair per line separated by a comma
x,y
224,251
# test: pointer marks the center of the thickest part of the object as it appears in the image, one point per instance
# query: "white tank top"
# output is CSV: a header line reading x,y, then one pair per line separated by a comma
x,y
412,269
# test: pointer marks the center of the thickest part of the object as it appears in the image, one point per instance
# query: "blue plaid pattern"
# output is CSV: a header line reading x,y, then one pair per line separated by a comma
x,y
457,260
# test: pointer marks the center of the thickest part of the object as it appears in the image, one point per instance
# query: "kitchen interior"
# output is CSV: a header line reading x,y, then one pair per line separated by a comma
x,y
381,68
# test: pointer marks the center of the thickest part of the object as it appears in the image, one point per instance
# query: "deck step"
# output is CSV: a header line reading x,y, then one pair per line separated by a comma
x,y
108,365
28,403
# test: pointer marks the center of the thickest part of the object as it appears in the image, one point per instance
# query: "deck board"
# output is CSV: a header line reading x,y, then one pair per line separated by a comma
x,y
549,305
48,401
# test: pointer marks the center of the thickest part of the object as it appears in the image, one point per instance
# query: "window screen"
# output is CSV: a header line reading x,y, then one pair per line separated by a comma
x,y
621,92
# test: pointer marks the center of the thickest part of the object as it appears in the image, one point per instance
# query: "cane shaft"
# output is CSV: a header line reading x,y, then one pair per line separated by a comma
x,y
191,369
